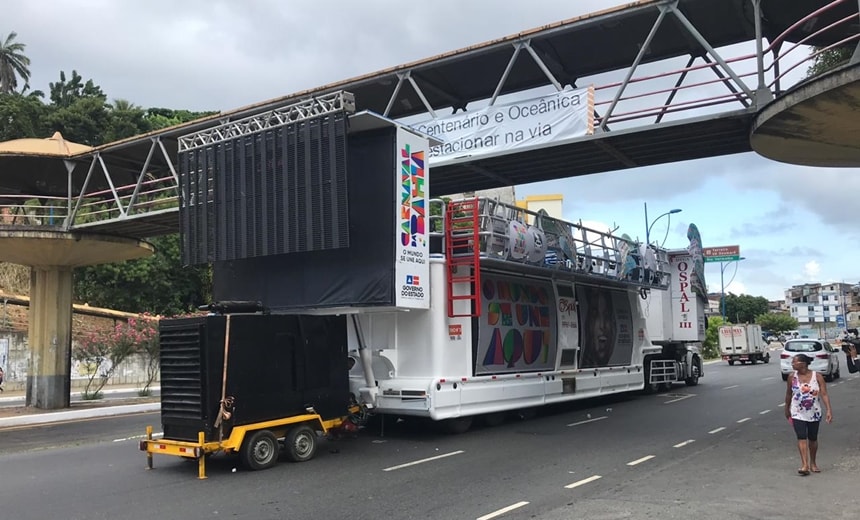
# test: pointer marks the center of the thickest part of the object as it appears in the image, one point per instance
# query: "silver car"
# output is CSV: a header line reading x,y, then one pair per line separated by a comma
x,y
825,359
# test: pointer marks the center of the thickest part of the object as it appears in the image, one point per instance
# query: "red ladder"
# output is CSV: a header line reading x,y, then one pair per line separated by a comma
x,y
462,249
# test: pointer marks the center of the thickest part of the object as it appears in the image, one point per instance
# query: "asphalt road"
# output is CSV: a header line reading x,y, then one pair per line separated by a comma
x,y
721,450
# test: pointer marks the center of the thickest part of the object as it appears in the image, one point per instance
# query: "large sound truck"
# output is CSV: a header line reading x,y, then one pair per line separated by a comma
x,y
676,321
369,297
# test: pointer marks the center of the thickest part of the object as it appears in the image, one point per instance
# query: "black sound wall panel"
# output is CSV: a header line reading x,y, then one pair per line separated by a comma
x,y
276,191
360,273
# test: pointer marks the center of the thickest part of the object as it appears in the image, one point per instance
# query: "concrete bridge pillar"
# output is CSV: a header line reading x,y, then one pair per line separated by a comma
x,y
50,337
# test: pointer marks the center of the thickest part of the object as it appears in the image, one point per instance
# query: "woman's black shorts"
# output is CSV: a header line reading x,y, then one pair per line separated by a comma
x,y
806,429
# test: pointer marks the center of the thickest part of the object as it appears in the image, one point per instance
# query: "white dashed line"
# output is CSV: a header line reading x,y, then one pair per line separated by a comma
x,y
730,387
781,404
767,378
588,421
154,436
682,444
583,481
392,468
678,399
717,430
745,419
502,511
764,412
640,461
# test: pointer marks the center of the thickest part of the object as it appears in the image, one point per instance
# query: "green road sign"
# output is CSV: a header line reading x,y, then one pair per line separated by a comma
x,y
725,258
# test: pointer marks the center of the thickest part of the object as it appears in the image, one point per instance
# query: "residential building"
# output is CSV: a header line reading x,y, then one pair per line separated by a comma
x,y
818,303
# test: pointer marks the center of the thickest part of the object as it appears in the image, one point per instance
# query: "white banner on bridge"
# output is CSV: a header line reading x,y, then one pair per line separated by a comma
x,y
503,128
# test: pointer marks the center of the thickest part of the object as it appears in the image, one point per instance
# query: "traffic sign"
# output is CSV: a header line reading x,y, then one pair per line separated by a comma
x,y
840,321
721,253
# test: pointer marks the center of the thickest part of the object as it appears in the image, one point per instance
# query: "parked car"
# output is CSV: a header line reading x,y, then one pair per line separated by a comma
x,y
825,359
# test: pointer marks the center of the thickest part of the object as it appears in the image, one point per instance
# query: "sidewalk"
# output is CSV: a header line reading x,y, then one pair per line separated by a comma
x,y
112,404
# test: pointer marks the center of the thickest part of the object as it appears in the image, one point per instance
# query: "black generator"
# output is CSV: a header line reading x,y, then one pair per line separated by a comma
x,y
276,366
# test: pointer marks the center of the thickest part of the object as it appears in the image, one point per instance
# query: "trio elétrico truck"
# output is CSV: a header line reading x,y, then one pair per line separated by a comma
x,y
449,310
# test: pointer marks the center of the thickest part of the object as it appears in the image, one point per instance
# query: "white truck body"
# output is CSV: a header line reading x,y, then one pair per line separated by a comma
x,y
544,328
743,343
675,321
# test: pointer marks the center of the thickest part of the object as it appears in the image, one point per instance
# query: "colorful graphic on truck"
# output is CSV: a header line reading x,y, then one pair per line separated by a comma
x,y
412,244
606,335
517,328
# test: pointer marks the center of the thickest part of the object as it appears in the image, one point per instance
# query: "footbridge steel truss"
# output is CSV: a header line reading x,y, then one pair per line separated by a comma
x,y
673,80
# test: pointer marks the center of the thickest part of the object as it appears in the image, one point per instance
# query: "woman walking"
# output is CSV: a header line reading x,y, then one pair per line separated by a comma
x,y
804,394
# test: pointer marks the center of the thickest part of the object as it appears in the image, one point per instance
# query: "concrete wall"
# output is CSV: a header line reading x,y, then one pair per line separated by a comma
x,y
15,361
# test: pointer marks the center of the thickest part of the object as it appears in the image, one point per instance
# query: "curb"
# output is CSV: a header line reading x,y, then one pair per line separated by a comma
x,y
69,415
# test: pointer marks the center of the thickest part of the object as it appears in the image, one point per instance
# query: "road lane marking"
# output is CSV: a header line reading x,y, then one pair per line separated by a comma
x,y
154,436
764,412
717,430
422,461
745,419
589,420
678,399
640,461
767,378
502,511
730,387
583,481
682,444
781,404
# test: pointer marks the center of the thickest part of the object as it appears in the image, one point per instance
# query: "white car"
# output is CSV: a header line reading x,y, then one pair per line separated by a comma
x,y
825,359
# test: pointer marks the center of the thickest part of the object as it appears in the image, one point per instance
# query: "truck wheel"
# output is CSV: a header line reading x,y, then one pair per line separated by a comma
x,y
785,377
494,419
457,425
696,370
731,362
767,358
301,443
260,450
753,361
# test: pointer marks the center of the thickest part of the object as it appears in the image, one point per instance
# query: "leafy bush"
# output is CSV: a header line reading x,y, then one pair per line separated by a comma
x,y
99,353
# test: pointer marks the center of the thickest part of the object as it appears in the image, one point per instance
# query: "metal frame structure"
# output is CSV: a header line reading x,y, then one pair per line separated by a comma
x,y
139,197
293,113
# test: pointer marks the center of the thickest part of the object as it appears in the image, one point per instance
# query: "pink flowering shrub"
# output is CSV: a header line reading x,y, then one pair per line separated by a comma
x,y
101,352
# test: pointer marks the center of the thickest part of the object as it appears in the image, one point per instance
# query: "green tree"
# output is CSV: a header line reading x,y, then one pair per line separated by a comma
x,y
829,59
165,117
125,119
13,63
158,284
776,321
80,110
23,116
744,308
711,345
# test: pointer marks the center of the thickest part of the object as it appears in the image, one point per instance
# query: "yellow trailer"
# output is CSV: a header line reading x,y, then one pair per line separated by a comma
x,y
258,443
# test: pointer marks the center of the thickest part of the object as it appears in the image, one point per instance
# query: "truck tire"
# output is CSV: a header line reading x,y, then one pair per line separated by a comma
x,y
696,370
753,360
300,443
767,358
259,450
494,419
785,377
456,425
731,362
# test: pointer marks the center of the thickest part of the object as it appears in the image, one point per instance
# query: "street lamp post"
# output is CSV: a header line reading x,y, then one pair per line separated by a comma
x,y
723,266
648,225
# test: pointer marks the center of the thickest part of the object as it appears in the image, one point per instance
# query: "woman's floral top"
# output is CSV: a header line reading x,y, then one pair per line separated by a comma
x,y
805,399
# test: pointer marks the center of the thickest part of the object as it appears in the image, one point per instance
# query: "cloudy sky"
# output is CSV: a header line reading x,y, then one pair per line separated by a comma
x,y
793,224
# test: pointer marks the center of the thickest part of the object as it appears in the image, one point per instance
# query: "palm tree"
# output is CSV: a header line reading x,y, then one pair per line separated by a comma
x,y
13,63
